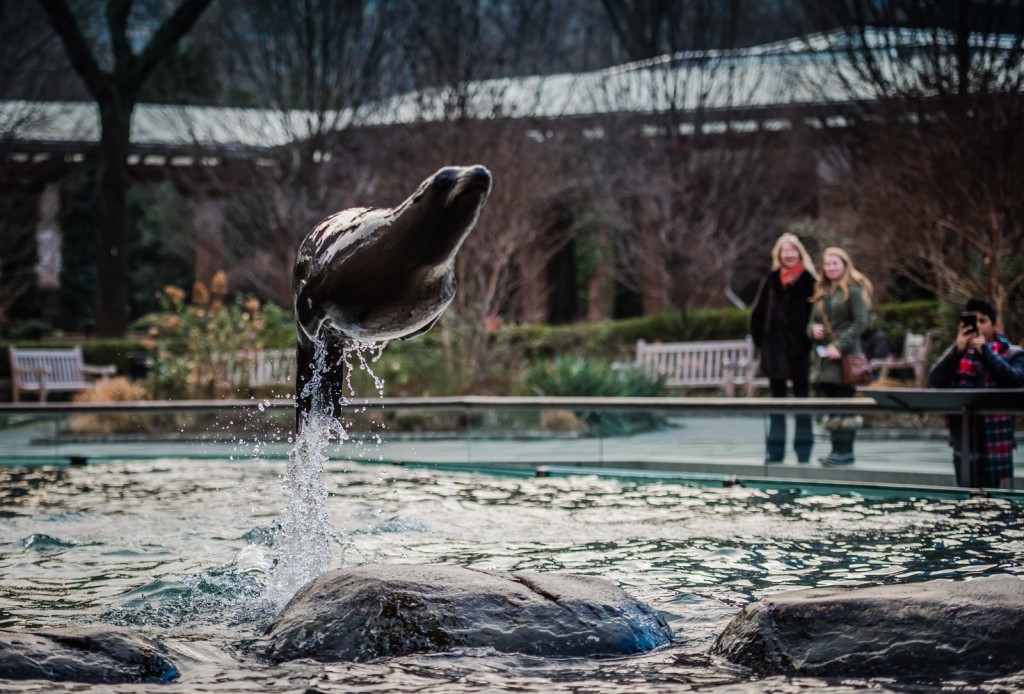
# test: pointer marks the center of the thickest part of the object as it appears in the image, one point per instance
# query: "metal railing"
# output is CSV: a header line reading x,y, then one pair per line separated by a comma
x,y
469,403
718,437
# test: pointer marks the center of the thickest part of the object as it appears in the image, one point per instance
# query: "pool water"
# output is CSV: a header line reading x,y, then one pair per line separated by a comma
x,y
182,550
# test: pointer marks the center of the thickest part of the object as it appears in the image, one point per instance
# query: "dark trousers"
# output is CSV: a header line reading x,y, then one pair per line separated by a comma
x,y
842,436
803,439
834,390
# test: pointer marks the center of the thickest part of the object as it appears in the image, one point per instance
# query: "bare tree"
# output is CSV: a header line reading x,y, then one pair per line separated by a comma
x,y
502,265
937,158
459,42
650,28
309,67
702,184
459,57
116,91
691,214
33,70
18,219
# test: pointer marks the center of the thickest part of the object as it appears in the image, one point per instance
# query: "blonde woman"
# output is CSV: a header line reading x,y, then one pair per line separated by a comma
x,y
840,304
778,325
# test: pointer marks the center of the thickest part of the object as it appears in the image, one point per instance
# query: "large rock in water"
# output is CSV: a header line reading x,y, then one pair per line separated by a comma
x,y
370,612
926,630
96,655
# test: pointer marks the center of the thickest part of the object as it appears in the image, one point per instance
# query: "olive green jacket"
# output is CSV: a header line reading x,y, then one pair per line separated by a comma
x,y
848,318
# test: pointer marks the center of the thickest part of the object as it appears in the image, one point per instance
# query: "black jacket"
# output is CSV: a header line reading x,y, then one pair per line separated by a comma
x,y
1006,371
778,325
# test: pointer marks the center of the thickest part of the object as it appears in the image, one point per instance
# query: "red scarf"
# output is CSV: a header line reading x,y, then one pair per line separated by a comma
x,y
788,275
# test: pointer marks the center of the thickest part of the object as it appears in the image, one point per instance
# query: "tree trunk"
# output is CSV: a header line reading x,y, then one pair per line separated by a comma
x,y
116,93
111,187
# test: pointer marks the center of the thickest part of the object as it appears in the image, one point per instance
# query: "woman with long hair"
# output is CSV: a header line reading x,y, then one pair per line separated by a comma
x,y
778,325
840,304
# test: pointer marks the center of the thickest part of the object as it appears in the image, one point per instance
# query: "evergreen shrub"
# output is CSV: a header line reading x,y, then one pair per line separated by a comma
x,y
579,376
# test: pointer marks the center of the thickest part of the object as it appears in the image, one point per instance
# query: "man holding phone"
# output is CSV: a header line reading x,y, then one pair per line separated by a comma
x,y
982,357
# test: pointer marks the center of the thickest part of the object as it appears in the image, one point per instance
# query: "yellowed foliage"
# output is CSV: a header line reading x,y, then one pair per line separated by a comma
x,y
119,389
560,421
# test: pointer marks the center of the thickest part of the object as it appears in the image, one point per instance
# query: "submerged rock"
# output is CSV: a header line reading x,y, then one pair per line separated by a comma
x,y
95,655
370,612
926,630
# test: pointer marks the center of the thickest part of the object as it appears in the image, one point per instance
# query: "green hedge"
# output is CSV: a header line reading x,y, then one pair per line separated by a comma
x,y
417,367
917,316
616,340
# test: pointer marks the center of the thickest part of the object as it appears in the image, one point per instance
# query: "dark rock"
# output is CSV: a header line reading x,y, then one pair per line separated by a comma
x,y
96,655
936,629
371,612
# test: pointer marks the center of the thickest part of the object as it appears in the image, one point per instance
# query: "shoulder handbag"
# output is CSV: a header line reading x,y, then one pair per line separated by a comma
x,y
856,369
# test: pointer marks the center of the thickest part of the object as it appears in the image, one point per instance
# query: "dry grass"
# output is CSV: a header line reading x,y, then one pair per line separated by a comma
x,y
889,382
118,389
562,421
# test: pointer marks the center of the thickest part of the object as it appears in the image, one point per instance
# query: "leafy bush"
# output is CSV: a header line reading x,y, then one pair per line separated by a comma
x,y
31,329
579,376
194,342
916,316
610,340
727,323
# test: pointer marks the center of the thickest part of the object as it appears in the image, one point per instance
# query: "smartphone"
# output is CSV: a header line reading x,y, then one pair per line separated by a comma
x,y
820,349
970,320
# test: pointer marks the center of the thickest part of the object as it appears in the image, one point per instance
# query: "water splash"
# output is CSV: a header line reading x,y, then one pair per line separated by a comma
x,y
305,537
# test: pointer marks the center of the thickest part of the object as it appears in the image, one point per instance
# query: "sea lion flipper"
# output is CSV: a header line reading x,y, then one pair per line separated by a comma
x,y
328,385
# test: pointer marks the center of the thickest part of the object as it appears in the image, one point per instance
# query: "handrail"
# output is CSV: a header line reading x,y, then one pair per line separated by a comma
x,y
697,405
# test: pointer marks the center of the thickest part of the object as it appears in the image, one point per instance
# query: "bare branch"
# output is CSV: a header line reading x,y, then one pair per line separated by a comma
x,y
79,53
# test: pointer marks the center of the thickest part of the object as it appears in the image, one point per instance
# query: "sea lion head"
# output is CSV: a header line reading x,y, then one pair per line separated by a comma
x,y
376,274
443,210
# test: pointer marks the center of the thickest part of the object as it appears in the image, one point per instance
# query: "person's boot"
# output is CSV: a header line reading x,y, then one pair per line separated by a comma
x,y
803,440
775,444
842,449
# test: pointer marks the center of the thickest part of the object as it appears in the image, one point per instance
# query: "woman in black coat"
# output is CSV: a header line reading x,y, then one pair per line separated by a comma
x,y
778,325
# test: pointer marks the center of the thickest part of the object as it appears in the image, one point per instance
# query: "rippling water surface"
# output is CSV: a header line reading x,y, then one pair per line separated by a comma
x,y
182,549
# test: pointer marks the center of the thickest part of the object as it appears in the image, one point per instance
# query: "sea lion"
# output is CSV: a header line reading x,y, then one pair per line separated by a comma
x,y
375,274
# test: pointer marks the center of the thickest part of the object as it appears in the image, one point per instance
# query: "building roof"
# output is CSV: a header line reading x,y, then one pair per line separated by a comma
x,y
793,74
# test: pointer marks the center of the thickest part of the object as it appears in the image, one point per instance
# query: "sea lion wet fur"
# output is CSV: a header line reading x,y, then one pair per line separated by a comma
x,y
375,274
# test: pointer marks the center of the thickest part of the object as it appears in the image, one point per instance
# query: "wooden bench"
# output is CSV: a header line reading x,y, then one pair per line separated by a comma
x,y
44,371
917,354
722,364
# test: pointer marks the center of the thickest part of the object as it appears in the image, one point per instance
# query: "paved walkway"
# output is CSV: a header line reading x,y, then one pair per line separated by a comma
x,y
696,445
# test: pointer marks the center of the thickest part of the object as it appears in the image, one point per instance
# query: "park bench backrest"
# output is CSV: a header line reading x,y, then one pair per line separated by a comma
x,y
52,370
916,347
707,364
46,370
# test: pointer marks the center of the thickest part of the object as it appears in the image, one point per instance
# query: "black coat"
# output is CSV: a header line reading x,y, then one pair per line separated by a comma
x,y
778,325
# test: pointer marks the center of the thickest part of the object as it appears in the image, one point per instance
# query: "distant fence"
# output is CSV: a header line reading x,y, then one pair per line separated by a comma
x,y
257,369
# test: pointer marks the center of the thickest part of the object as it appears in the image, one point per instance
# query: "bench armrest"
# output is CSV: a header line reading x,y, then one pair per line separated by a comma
x,y
102,371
